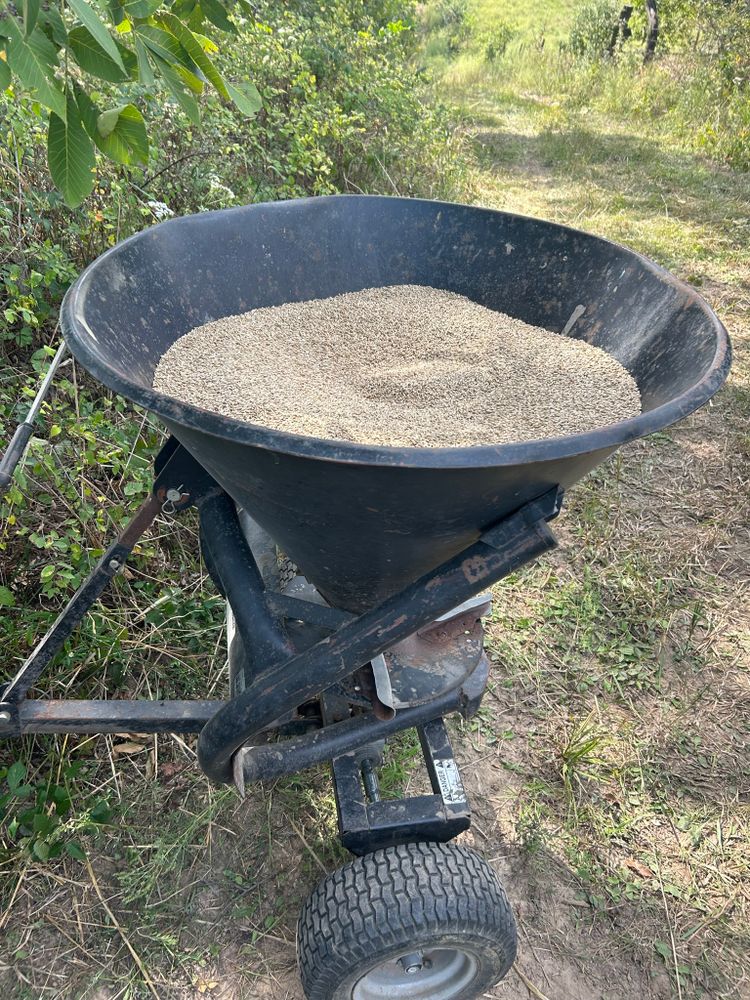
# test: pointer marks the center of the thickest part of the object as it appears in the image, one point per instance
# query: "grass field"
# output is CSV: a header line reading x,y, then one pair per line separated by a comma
x,y
609,766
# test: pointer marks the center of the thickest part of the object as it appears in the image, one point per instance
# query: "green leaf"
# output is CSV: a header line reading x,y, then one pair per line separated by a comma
x,y
54,27
145,72
75,852
7,600
42,823
115,11
70,156
92,58
162,44
216,14
246,97
122,135
127,142
101,812
191,81
663,949
41,850
47,573
30,9
91,20
194,49
131,61
4,74
107,121
140,8
183,8
16,774
174,84
33,60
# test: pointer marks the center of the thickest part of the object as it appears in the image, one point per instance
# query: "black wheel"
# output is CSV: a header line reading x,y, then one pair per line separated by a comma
x,y
418,921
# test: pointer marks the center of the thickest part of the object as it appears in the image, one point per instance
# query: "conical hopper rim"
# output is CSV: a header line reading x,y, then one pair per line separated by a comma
x,y
78,334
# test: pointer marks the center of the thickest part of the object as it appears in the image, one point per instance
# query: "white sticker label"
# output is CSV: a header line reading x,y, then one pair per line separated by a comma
x,y
451,786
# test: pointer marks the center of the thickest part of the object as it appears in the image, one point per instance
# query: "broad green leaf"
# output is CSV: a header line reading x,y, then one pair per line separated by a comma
x,y
164,45
16,774
140,8
70,156
88,111
246,97
116,11
53,26
145,73
663,949
75,852
42,823
122,135
191,81
174,84
91,20
7,600
92,58
207,44
194,49
216,14
33,60
4,82
101,812
41,850
107,120
30,9
130,60
183,8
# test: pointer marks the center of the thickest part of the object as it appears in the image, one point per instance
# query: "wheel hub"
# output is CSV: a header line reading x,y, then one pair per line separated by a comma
x,y
434,974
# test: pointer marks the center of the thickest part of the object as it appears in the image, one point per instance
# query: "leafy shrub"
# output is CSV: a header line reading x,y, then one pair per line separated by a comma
x,y
592,28
496,41
56,54
343,110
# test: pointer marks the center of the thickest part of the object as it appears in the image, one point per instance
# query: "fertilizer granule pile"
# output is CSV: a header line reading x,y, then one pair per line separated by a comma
x,y
404,365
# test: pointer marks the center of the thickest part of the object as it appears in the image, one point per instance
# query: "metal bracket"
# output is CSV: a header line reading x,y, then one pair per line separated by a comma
x,y
367,823
174,468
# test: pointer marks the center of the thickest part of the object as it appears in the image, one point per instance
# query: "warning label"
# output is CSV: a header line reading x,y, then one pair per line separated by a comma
x,y
451,786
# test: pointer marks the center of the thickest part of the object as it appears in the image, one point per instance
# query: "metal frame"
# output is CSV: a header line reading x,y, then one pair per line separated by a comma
x,y
367,823
280,673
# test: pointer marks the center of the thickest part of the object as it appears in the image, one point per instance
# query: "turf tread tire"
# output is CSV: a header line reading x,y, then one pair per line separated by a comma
x,y
395,900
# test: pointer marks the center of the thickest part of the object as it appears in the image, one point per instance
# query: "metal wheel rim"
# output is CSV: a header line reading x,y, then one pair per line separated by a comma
x,y
445,974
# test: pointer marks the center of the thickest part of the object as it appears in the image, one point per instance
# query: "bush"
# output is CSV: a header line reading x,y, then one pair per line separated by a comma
x,y
591,32
342,110
496,41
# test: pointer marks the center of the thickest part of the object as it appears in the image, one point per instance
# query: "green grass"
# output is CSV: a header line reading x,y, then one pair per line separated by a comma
x,y
628,655
550,19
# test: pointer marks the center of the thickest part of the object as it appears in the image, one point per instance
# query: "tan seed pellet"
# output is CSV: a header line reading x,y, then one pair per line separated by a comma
x,y
404,365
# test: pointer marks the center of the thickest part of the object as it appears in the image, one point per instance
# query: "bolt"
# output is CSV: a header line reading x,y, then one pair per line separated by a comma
x,y
114,565
411,964
5,718
174,495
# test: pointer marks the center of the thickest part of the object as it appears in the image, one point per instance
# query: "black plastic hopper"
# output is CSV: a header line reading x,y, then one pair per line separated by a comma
x,y
364,521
